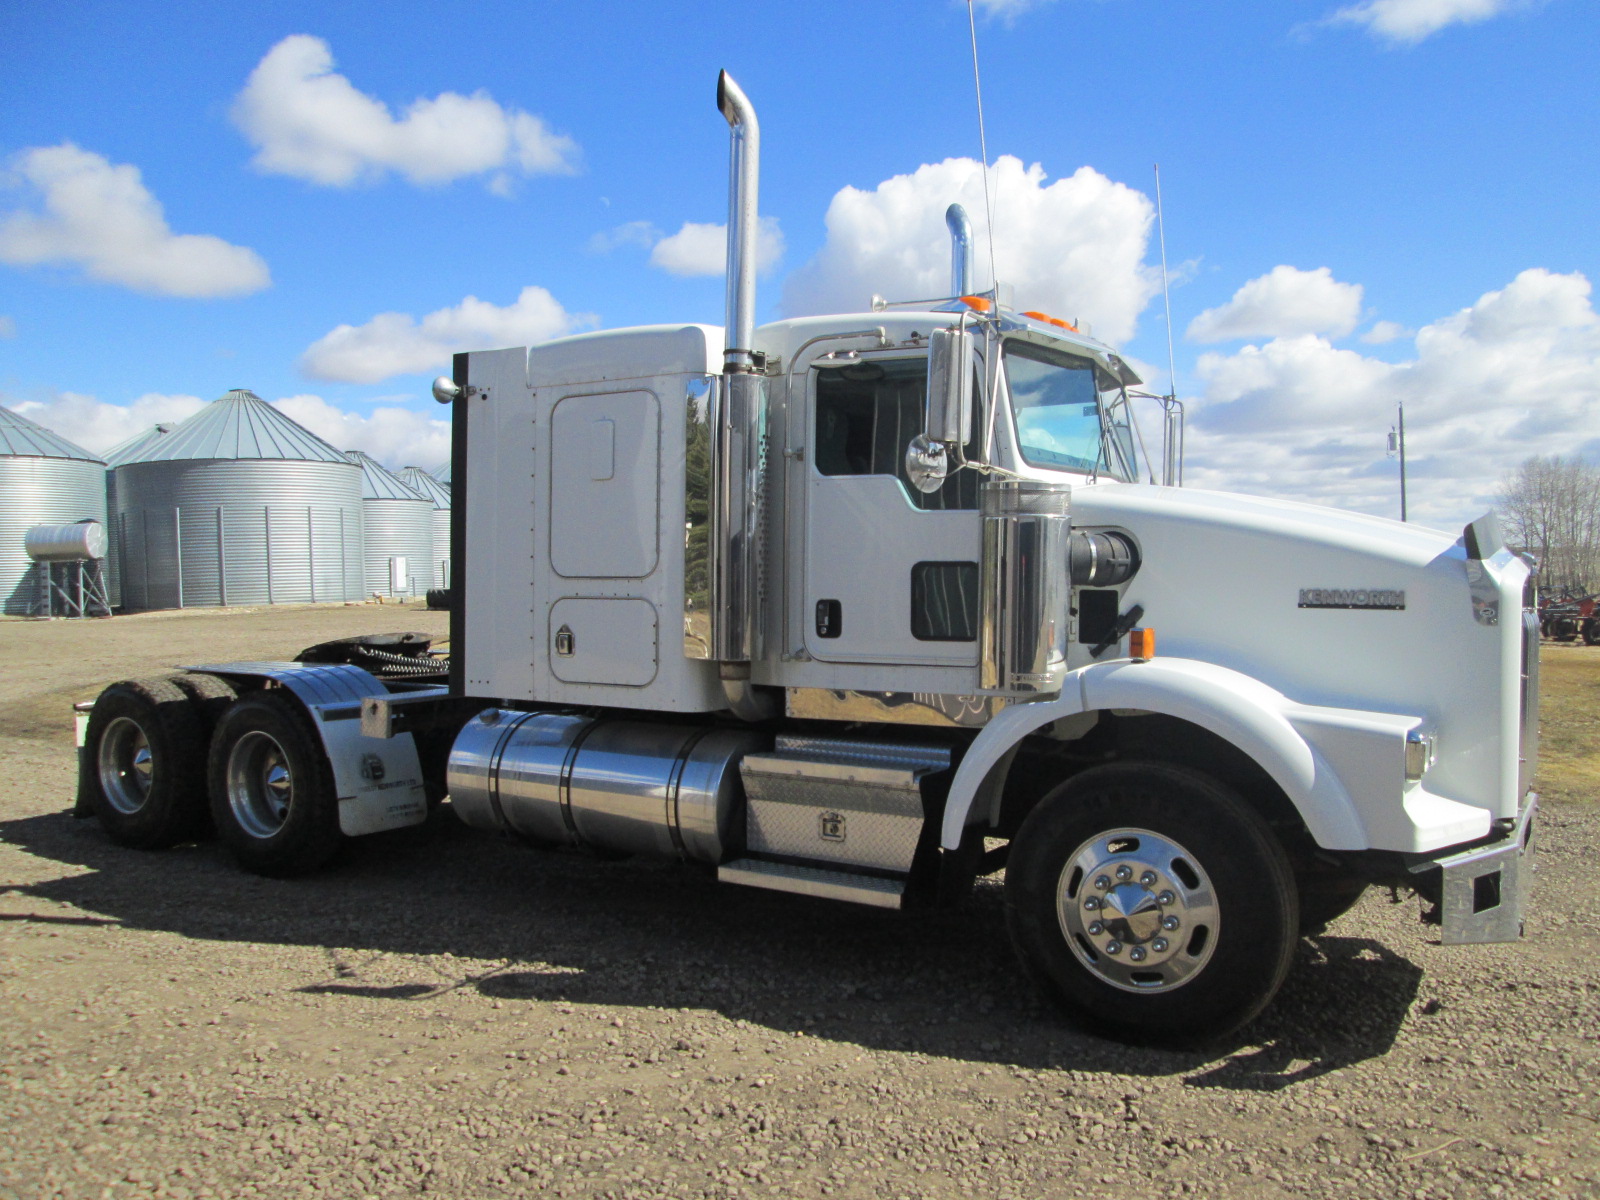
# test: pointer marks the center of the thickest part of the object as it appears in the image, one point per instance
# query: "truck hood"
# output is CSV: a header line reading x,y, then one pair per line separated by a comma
x,y
1337,609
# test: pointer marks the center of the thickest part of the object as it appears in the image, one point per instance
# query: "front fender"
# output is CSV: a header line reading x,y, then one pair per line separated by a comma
x,y
1342,770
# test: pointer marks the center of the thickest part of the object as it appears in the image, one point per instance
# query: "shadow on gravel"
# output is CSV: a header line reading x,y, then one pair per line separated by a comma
x,y
564,927
1344,1001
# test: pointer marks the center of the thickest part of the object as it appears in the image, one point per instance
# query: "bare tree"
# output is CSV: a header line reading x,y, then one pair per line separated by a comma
x,y
1551,508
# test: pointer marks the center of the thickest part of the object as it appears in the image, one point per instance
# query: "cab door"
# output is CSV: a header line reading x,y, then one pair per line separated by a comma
x,y
890,573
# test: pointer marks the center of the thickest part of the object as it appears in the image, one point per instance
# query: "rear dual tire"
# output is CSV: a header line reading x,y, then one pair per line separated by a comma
x,y
140,775
273,799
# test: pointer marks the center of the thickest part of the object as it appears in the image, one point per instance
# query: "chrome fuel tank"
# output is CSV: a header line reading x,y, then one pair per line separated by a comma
x,y
634,787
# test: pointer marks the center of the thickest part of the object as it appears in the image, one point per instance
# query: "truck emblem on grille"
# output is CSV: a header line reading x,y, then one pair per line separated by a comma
x,y
830,826
1392,599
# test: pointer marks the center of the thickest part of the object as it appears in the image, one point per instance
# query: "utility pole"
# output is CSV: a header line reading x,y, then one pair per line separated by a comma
x,y
1397,445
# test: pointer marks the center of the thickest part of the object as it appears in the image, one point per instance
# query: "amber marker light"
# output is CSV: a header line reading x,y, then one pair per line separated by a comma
x,y
1049,320
1142,644
977,303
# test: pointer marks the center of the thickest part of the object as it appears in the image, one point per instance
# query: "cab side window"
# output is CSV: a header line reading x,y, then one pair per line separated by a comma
x,y
867,414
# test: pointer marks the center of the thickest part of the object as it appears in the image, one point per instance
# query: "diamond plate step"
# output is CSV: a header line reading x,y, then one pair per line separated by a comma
x,y
814,881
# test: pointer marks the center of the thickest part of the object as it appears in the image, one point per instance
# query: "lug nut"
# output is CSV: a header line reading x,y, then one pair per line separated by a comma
x,y
1102,882
1113,947
1136,954
1169,922
1124,872
1165,898
1090,903
1159,945
1148,879
1096,928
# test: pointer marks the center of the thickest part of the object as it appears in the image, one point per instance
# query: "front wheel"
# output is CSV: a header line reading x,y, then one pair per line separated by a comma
x,y
1152,904
272,793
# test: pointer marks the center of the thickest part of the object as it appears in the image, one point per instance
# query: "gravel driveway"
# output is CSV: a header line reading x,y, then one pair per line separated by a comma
x,y
445,1014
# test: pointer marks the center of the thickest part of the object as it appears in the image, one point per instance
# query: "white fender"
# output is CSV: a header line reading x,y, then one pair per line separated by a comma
x,y
1242,711
378,780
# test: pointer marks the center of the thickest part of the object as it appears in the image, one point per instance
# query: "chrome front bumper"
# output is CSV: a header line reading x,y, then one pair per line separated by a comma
x,y
1483,893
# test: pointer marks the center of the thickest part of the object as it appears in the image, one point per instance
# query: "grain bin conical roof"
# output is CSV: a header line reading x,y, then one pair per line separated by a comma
x,y
426,486
443,475
134,449
241,425
377,481
22,438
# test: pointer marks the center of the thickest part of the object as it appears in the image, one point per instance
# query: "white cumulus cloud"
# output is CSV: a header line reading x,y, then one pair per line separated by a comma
x,y
698,249
631,233
1073,248
1285,302
100,217
311,123
1516,373
1410,21
1384,332
98,425
394,436
395,343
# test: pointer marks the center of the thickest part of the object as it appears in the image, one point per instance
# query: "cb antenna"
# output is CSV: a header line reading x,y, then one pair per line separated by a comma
x,y
1166,291
983,148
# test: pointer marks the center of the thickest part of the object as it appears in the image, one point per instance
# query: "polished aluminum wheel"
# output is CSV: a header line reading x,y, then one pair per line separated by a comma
x,y
1137,910
260,784
125,765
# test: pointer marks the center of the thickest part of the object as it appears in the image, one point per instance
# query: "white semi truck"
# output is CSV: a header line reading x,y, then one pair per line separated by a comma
x,y
864,606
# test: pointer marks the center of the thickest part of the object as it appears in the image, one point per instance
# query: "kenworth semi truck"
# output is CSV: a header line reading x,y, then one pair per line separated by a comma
x,y
862,607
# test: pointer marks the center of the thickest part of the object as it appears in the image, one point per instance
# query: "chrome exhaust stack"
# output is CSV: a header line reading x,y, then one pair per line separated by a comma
x,y
739,439
960,226
744,169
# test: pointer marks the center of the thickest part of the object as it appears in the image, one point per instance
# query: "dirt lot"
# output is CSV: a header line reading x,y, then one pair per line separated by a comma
x,y
444,1014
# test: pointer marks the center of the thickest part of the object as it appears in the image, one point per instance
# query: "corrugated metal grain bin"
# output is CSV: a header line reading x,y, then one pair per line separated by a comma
x,y
132,450
426,485
44,480
399,526
238,505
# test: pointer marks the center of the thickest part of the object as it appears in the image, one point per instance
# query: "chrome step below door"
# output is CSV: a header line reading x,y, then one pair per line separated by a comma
x,y
834,817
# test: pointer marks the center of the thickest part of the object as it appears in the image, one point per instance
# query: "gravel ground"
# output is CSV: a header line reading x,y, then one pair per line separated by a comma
x,y
444,1014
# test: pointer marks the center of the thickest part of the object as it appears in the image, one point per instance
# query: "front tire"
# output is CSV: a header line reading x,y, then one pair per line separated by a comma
x,y
141,775
272,793
1152,904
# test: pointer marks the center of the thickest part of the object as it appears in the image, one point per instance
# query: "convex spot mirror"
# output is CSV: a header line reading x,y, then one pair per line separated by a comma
x,y
927,463
949,404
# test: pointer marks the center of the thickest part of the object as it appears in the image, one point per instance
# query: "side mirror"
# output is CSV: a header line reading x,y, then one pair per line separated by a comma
x,y
949,411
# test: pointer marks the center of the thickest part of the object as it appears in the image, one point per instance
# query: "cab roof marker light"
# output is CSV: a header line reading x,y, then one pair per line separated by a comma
x,y
1049,320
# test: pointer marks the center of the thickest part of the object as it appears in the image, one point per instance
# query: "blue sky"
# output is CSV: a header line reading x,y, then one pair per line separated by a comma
x,y
1366,201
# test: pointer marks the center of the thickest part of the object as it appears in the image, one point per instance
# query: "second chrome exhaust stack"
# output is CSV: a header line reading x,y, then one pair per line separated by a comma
x,y
960,226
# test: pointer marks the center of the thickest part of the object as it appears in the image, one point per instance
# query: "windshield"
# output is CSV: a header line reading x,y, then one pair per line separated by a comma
x,y
1059,409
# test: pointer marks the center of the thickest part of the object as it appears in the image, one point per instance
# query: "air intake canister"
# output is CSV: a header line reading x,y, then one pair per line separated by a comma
x,y
1026,525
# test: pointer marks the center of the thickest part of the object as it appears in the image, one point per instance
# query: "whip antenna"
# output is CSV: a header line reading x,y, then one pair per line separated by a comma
x,y
1166,291
983,148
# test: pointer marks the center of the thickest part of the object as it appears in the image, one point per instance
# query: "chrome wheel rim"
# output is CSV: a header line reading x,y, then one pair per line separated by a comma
x,y
1138,910
260,784
126,767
